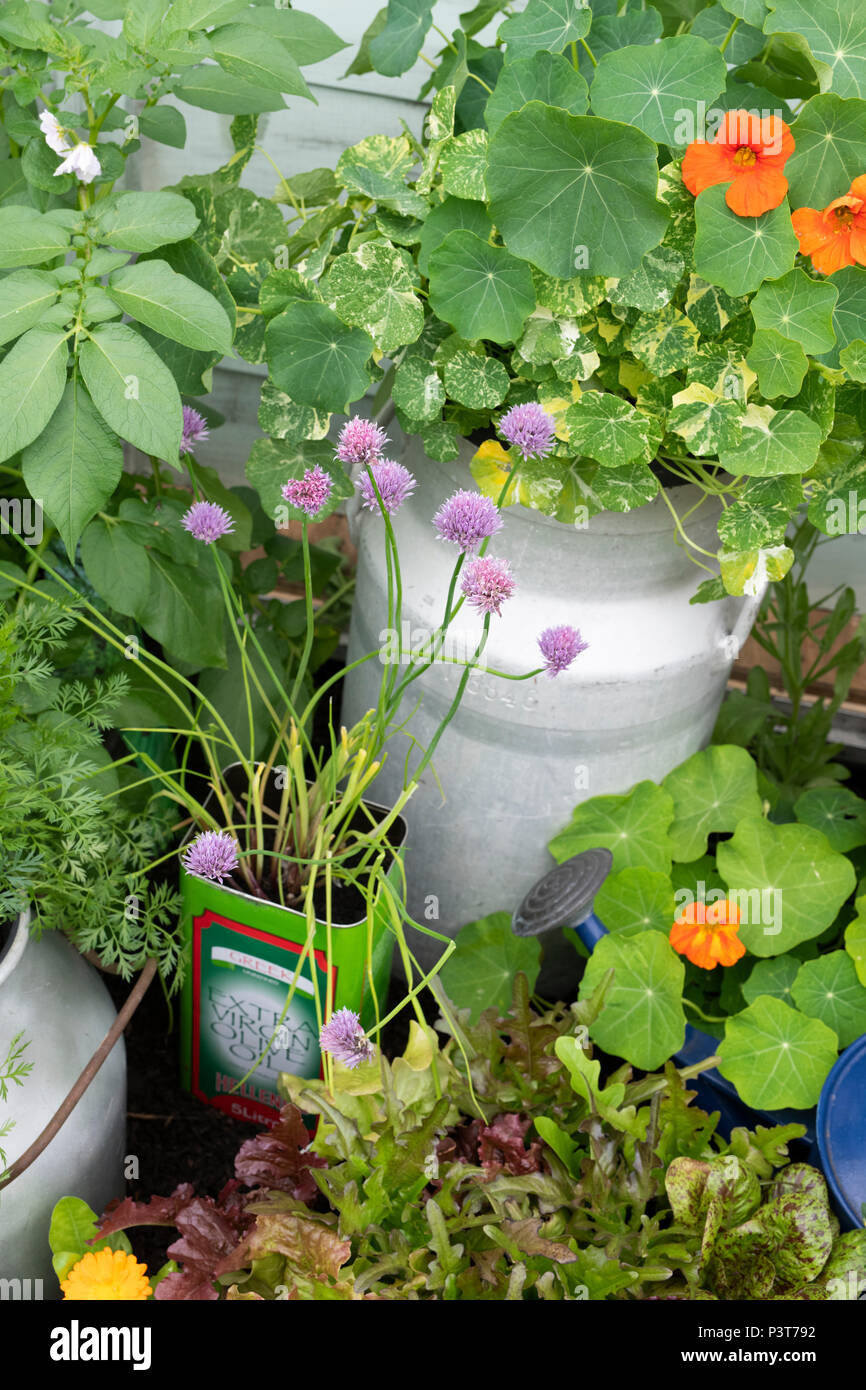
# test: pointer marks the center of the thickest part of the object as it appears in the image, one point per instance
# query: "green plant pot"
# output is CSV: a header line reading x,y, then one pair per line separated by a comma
x,y
242,954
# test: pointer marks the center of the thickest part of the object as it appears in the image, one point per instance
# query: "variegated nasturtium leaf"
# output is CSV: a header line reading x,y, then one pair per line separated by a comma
x,y
828,988
799,308
440,439
723,370
828,506
777,1057
636,900
438,128
709,307
652,284
574,193
574,297
707,422
849,313
838,812
482,290
749,571
780,364
607,428
762,515
634,827
547,77
476,381
273,462
835,32
739,253
373,287
774,976
550,338
623,488
282,418
664,342
642,1017
787,880
772,442
817,399
852,359
680,234
547,24
712,791
454,214
830,149
658,87
378,168
462,164
395,48
417,389
317,359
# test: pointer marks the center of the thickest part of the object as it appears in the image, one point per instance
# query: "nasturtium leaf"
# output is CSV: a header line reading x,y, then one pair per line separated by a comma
x,y
713,24
680,203
545,24
32,381
73,467
417,389
855,940
835,32
642,1017
272,463
659,87
749,571
441,440
772,442
317,359
752,12
762,515
24,297
451,215
636,900
254,57
828,988
777,1057
378,168
707,422
574,192
133,390
633,826
572,298
712,791
482,290
780,364
373,288
664,342
837,811
849,313
28,237
462,164
799,308
479,382
852,359
651,286
282,418
739,253
144,221
396,47
625,487
154,294
547,77
607,428
774,976
709,308
787,880
480,973
554,339
829,507
830,149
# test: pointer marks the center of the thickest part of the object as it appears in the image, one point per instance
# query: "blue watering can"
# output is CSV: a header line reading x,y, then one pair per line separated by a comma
x,y
835,1135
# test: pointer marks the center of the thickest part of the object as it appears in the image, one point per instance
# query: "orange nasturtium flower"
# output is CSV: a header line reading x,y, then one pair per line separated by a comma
x,y
749,153
105,1275
836,236
707,936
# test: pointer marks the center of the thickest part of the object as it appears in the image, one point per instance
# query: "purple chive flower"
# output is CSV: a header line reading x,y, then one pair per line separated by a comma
x,y
195,429
361,441
311,492
529,429
213,854
207,521
345,1039
394,482
467,519
487,583
559,647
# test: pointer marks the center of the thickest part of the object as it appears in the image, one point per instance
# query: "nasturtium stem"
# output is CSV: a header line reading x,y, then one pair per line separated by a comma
x,y
729,35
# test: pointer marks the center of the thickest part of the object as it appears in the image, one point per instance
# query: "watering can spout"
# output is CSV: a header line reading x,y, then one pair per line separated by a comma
x,y
564,898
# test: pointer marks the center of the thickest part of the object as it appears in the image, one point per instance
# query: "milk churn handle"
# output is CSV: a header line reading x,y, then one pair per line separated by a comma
x,y
732,643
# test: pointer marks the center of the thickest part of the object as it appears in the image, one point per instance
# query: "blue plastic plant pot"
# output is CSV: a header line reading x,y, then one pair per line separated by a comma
x,y
842,1134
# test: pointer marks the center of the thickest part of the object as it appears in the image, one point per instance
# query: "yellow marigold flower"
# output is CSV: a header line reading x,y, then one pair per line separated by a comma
x,y
103,1275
